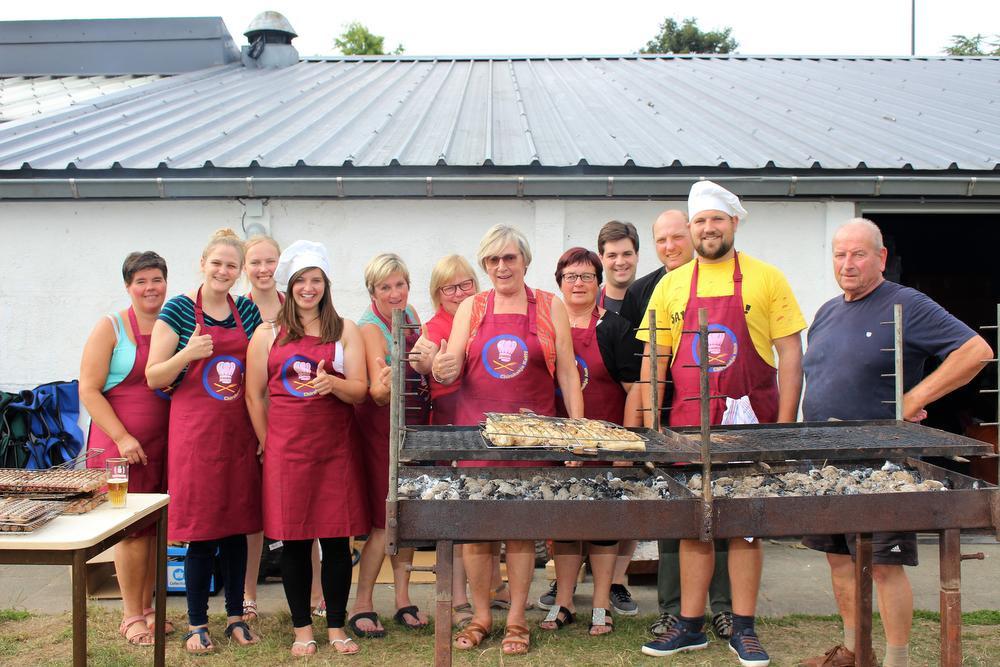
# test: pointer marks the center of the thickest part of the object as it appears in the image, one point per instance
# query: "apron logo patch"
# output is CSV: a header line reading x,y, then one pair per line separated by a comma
x,y
722,347
298,375
223,378
581,366
505,356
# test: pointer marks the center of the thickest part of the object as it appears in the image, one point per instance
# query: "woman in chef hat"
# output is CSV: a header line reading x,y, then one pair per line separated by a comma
x,y
303,379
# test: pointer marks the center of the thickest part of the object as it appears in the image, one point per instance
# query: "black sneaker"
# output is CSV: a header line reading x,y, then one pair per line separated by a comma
x,y
622,601
722,623
548,600
678,640
748,649
663,624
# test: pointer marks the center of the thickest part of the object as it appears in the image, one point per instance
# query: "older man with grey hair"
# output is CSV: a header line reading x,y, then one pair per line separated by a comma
x,y
845,347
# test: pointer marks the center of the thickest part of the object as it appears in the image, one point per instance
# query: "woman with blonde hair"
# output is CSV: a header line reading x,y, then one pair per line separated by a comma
x,y
200,342
388,283
507,346
129,420
303,379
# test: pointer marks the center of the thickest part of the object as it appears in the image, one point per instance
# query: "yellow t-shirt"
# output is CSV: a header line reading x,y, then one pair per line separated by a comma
x,y
770,307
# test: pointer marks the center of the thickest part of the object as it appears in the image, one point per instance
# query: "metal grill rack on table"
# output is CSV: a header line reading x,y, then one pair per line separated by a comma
x,y
739,450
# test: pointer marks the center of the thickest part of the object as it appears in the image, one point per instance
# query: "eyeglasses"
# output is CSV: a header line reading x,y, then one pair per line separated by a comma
x,y
584,277
493,261
465,286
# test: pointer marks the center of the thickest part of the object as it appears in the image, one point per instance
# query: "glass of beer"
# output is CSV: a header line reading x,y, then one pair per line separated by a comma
x,y
117,470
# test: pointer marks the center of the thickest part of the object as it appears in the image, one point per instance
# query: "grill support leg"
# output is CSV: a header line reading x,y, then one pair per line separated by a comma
x,y
863,599
442,620
950,552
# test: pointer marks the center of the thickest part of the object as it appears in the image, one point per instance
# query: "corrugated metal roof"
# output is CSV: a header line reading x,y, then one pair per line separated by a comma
x,y
23,97
655,112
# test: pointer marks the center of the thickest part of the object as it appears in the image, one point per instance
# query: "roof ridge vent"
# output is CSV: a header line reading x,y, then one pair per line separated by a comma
x,y
270,35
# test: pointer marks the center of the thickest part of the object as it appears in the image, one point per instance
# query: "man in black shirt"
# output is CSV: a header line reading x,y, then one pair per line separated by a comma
x,y
618,247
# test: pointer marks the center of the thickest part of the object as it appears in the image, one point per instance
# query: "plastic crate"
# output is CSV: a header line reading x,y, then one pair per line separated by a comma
x,y
175,571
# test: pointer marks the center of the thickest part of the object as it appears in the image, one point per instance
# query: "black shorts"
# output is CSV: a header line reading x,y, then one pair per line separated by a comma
x,y
887,548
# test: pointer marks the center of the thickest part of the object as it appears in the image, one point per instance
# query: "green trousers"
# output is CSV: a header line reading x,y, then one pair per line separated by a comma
x,y
668,579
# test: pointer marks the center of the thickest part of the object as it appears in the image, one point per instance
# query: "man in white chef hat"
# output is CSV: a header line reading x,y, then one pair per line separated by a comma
x,y
752,314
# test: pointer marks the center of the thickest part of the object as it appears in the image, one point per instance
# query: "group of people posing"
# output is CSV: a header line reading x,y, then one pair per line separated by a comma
x,y
218,400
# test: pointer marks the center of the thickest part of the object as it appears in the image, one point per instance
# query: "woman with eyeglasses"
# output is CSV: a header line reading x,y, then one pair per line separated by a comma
x,y
507,345
452,281
605,358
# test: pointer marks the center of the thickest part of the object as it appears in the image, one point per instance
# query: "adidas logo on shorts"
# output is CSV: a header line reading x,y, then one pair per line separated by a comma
x,y
895,549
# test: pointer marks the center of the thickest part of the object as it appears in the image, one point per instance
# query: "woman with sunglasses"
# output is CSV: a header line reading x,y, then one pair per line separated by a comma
x,y
507,345
605,358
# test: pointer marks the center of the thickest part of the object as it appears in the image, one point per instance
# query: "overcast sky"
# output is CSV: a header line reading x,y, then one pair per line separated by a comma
x,y
533,27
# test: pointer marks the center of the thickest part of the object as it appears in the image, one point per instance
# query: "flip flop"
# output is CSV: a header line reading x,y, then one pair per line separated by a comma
x,y
305,648
337,643
140,638
461,615
403,612
248,638
168,627
352,623
203,638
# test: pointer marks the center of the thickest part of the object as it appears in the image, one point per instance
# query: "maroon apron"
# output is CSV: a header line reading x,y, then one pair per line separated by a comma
x,y
739,370
444,397
213,472
603,396
372,424
312,472
505,371
145,414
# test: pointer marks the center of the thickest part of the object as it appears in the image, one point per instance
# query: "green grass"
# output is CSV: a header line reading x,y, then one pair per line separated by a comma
x,y
40,640
13,615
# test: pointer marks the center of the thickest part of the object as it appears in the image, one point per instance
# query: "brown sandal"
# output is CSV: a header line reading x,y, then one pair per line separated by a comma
x,y
473,633
516,641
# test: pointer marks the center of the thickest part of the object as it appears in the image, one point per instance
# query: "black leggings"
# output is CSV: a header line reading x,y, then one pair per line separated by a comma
x,y
335,575
198,570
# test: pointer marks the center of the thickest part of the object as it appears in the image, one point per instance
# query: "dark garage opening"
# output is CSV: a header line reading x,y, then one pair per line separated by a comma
x,y
953,258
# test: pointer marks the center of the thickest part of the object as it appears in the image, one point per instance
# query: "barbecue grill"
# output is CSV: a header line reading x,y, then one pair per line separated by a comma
x,y
739,450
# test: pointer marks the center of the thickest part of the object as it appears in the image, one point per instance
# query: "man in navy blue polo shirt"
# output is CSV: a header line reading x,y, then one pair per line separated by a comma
x,y
844,368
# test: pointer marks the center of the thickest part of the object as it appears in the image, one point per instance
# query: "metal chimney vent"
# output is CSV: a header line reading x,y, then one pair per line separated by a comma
x,y
270,35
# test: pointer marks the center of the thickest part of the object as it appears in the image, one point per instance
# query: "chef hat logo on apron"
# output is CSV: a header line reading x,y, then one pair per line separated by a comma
x,y
298,374
581,366
223,378
505,356
722,347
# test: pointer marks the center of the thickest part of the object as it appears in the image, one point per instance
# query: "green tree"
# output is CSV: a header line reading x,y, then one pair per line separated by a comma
x,y
963,45
689,38
358,40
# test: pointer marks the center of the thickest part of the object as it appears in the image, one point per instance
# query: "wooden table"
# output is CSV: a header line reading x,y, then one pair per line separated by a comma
x,y
74,539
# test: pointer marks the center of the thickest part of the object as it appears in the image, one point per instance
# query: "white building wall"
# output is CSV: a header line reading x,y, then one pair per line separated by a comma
x,y
61,260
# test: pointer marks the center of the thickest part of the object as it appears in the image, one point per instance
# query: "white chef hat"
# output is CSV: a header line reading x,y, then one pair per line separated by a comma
x,y
709,196
301,255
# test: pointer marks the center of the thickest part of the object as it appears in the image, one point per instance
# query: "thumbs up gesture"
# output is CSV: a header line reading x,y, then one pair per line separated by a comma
x,y
384,377
323,382
445,367
198,346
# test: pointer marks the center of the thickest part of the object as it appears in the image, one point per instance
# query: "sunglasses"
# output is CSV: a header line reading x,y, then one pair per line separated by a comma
x,y
493,261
